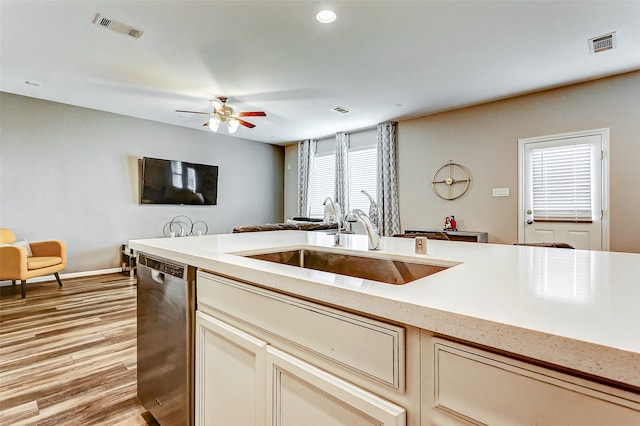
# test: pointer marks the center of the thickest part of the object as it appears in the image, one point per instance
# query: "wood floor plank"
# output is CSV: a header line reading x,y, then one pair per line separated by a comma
x,y
68,355
17,413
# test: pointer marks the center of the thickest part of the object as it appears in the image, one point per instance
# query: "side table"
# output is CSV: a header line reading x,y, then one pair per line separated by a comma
x,y
474,237
128,260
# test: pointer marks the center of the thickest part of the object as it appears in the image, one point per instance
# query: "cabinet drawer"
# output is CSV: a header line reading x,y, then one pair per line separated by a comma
x,y
301,394
480,387
370,347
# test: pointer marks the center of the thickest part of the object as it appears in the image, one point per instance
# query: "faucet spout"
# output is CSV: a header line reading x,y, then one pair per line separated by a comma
x,y
335,208
357,215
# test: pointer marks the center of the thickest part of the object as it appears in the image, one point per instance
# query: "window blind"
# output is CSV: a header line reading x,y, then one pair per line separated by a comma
x,y
561,178
322,183
362,176
362,161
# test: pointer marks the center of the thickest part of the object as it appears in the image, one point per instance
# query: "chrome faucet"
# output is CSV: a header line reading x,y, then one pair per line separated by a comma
x,y
357,215
338,216
373,210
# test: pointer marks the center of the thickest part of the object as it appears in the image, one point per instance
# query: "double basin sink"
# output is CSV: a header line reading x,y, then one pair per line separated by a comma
x,y
382,269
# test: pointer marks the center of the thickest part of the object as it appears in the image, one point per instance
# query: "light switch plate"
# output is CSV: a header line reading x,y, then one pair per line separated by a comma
x,y
500,192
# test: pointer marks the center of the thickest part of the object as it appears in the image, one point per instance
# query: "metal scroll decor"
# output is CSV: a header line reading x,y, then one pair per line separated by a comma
x,y
451,181
183,226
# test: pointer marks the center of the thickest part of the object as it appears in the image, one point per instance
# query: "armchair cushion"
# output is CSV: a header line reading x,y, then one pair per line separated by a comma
x,y
42,262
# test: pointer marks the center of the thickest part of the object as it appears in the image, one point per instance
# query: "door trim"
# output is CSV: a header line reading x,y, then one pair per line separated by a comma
x,y
604,134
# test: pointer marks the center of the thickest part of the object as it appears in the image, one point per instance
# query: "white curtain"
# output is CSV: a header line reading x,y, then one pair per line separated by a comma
x,y
342,171
306,151
387,185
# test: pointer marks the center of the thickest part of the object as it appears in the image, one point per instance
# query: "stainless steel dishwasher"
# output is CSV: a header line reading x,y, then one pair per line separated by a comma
x,y
166,315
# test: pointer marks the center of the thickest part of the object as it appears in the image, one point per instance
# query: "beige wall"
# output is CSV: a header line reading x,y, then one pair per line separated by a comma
x,y
485,139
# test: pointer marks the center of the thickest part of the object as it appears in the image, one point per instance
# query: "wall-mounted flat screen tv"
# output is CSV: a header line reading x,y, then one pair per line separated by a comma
x,y
178,182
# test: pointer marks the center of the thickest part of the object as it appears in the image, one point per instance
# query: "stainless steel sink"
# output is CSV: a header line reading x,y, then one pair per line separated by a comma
x,y
390,271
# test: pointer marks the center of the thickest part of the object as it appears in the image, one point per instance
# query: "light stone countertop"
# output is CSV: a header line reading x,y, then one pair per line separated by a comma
x,y
573,308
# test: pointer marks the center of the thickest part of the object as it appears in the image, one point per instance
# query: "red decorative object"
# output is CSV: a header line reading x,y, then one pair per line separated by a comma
x,y
450,223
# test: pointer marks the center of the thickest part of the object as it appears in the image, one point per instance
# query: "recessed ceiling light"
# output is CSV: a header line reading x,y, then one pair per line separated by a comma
x,y
326,16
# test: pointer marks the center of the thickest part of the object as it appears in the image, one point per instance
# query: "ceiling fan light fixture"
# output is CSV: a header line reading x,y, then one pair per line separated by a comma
x,y
225,114
213,124
233,125
326,16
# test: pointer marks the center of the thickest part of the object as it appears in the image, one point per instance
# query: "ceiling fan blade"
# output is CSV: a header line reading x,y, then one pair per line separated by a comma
x,y
251,114
194,112
246,123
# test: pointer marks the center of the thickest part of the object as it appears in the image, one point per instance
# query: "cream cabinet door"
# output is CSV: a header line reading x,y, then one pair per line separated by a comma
x,y
230,375
301,394
465,385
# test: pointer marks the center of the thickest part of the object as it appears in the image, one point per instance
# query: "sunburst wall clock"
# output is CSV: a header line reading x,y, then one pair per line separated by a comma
x,y
451,181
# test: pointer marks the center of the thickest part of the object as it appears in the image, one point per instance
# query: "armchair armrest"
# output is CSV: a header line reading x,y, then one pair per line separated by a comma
x,y
13,262
50,248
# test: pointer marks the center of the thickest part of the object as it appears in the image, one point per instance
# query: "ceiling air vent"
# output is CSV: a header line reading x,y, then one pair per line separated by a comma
x,y
602,43
116,26
341,110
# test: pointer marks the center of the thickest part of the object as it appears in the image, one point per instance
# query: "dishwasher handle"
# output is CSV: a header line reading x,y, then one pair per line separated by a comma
x,y
157,276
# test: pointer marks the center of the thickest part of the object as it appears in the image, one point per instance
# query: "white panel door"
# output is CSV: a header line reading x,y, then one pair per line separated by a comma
x,y
230,375
589,234
301,394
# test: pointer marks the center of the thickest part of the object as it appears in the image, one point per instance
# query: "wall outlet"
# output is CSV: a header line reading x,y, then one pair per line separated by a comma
x,y
500,192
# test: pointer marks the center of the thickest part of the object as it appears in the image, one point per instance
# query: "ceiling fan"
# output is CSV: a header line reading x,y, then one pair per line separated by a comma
x,y
222,113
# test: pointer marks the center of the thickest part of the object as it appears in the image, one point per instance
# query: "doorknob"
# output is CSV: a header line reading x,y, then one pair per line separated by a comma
x,y
529,212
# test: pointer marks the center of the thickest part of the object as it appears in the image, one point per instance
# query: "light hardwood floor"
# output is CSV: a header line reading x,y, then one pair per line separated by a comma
x,y
68,355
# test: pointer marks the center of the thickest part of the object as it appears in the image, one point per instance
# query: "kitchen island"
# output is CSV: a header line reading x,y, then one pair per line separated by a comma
x,y
551,310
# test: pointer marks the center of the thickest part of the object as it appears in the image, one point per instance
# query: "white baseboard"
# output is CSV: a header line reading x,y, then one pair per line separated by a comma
x,y
67,275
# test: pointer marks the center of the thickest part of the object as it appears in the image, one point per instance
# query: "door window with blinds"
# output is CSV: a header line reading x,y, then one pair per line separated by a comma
x,y
562,179
564,189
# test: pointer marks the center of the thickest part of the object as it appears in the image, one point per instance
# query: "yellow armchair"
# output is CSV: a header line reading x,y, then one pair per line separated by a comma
x,y
47,257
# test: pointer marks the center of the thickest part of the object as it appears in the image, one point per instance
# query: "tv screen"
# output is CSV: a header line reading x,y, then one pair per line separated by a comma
x,y
178,182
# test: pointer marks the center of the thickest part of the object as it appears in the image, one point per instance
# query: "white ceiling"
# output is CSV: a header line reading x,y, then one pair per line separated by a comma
x,y
383,60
